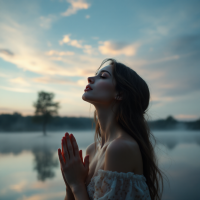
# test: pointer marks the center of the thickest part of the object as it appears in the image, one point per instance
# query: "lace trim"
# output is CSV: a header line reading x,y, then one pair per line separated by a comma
x,y
113,185
127,175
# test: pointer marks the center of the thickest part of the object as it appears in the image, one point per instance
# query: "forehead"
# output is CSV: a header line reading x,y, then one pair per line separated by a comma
x,y
107,68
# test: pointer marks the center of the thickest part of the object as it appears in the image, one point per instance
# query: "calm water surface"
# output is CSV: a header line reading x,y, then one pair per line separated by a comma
x,y
30,170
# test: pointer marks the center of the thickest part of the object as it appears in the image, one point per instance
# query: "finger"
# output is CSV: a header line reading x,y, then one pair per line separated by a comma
x,y
76,150
69,146
63,154
80,154
86,161
82,158
66,155
64,177
70,136
61,158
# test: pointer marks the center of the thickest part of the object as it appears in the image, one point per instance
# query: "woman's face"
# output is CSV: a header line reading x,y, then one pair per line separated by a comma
x,y
103,87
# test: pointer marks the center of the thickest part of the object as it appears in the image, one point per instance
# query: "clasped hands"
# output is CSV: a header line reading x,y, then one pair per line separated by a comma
x,y
73,168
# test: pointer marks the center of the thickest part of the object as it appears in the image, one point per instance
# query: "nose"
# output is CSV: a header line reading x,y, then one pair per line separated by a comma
x,y
90,79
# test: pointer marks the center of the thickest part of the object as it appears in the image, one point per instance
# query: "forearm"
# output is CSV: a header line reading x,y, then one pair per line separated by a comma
x,y
69,195
80,192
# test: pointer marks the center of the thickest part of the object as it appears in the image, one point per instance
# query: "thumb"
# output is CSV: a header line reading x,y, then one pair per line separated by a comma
x,y
86,161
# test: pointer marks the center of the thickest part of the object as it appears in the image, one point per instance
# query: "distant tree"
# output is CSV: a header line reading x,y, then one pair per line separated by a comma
x,y
45,108
170,119
17,114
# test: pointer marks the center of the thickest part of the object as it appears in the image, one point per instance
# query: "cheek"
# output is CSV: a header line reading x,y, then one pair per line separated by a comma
x,y
104,86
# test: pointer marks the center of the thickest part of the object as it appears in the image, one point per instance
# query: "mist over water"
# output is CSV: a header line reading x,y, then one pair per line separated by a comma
x,y
30,166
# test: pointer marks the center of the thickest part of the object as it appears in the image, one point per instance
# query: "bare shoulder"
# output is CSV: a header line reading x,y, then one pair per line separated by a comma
x,y
90,150
123,155
124,145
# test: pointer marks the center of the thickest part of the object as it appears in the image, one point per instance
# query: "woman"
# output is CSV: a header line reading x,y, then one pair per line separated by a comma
x,y
122,164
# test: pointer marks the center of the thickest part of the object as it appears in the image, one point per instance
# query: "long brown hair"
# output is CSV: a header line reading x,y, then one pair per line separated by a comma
x,y
130,116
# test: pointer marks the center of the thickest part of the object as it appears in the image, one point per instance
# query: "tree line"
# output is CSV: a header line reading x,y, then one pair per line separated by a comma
x,y
16,123
46,117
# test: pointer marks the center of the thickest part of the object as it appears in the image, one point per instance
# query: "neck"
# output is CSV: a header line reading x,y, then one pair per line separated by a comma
x,y
108,125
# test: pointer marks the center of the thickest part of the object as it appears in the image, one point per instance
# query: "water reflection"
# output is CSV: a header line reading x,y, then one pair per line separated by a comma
x,y
29,164
44,162
15,143
171,139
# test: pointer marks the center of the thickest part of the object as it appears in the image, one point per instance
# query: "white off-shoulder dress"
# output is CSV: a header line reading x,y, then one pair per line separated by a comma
x,y
109,185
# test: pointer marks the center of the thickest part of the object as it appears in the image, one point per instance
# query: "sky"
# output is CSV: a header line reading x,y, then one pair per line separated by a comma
x,y
55,45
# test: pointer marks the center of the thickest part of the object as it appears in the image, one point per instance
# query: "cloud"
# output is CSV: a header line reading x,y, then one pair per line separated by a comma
x,y
51,80
16,89
49,44
45,22
70,42
28,57
88,49
95,38
185,44
78,44
31,60
19,187
87,16
75,6
20,81
118,48
3,75
59,53
6,52
65,39
181,86
151,76
180,67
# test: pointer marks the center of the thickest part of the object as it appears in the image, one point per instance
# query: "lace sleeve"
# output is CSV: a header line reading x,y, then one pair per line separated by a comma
x,y
109,185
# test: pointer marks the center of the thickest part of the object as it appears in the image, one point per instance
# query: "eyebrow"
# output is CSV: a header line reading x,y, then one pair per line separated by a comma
x,y
104,71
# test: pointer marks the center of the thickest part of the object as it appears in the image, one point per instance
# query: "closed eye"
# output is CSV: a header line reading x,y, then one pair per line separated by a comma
x,y
102,77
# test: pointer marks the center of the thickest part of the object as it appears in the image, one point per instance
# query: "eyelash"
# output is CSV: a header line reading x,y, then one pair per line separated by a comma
x,y
102,77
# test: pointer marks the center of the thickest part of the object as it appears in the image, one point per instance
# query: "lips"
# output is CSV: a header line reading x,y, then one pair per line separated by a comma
x,y
88,87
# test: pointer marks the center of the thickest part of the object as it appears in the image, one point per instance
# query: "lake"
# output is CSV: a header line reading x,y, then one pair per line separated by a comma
x,y
30,169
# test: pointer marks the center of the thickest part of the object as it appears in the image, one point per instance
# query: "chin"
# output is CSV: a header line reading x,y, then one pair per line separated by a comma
x,y
83,97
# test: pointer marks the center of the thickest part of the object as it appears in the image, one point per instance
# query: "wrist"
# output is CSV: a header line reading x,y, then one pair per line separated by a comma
x,y
78,187
69,194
